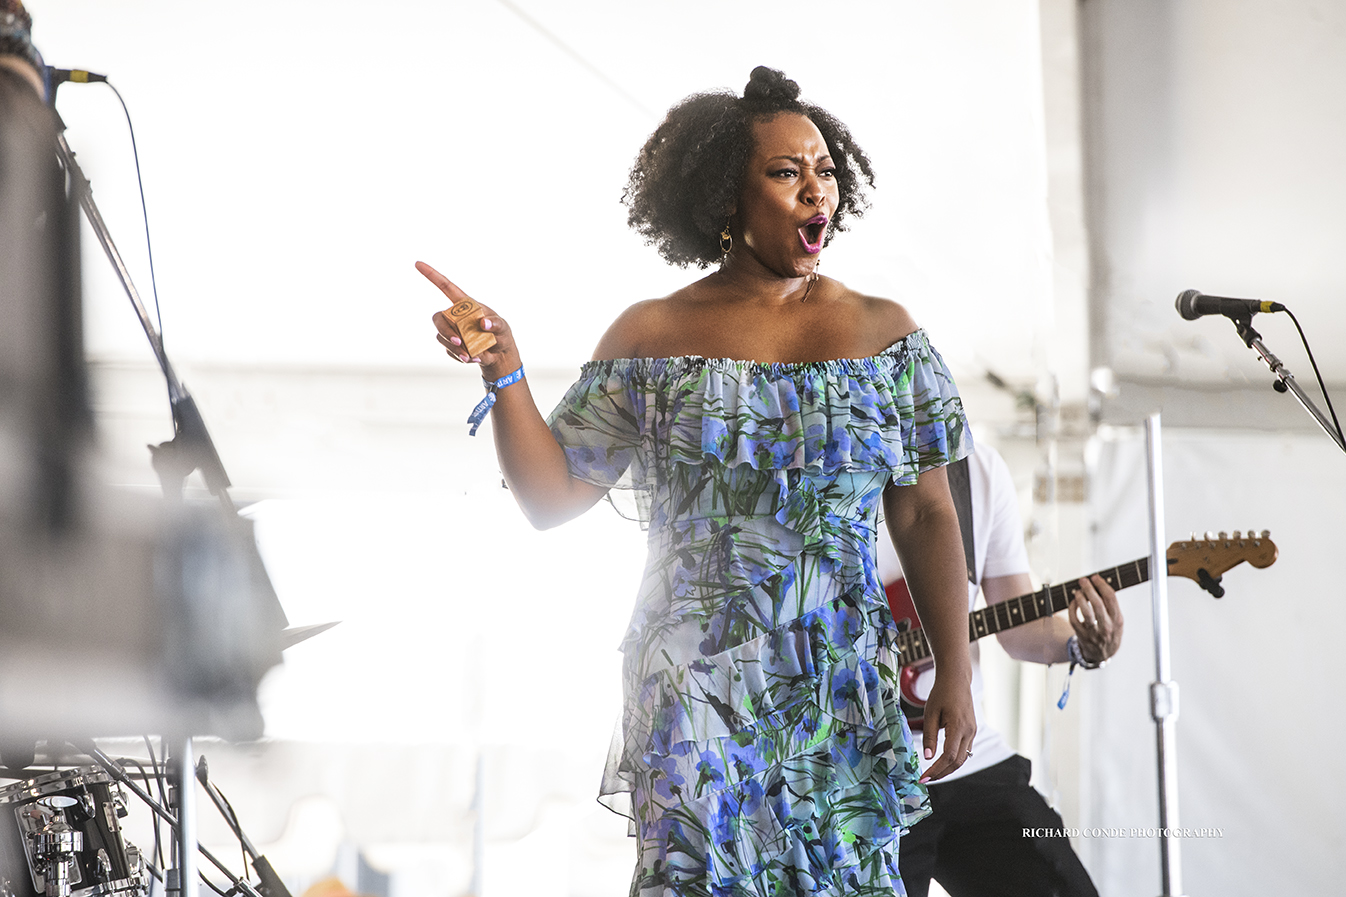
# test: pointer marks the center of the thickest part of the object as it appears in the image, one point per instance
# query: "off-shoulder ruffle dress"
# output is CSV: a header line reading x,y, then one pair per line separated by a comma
x,y
762,744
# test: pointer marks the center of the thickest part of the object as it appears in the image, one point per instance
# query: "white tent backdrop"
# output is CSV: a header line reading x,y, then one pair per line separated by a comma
x,y
1259,670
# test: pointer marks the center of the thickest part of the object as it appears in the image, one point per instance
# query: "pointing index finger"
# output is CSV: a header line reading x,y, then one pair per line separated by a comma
x,y
446,286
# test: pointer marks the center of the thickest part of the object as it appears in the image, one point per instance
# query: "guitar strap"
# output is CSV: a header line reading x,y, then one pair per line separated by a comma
x,y
960,485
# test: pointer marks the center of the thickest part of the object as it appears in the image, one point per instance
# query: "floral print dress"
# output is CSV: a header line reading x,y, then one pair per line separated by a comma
x,y
762,744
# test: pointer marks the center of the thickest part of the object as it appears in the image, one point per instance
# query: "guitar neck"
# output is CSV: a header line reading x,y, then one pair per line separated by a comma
x,y
1004,615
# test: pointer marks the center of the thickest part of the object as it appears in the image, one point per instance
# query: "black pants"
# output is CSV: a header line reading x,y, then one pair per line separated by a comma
x,y
973,843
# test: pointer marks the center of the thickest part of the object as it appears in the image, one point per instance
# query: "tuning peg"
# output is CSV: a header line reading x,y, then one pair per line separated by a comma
x,y
1237,535
1210,536
1266,534
1223,535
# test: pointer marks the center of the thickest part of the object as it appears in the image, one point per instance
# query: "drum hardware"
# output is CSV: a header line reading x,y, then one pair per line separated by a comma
x,y
60,837
238,885
55,847
270,883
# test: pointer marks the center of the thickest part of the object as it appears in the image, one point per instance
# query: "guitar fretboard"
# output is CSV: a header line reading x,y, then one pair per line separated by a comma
x,y
1024,609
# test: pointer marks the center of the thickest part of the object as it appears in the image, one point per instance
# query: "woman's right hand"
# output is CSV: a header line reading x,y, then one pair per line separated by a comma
x,y
496,361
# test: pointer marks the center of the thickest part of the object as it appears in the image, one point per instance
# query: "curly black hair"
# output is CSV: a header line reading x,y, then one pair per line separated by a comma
x,y
689,173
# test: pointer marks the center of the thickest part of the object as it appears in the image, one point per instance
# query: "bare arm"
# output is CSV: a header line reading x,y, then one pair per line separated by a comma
x,y
533,464
924,528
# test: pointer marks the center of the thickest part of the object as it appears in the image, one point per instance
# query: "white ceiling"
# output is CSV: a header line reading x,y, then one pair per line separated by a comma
x,y
1217,129
300,156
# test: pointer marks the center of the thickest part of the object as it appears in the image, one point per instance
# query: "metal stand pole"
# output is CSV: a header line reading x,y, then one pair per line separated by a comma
x,y
1163,691
183,771
239,886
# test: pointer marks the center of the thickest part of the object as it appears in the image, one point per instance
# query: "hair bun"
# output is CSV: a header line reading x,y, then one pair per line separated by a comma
x,y
769,84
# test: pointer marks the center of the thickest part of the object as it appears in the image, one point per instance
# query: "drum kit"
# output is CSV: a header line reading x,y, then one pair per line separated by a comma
x,y
60,834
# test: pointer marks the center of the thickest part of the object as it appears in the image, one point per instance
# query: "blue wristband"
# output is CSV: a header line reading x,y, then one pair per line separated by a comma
x,y
484,406
1077,659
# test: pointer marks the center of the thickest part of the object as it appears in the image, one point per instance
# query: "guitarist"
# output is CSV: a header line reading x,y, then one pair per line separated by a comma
x,y
973,843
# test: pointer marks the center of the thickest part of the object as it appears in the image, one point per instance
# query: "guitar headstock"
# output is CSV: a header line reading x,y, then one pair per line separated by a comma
x,y
1203,560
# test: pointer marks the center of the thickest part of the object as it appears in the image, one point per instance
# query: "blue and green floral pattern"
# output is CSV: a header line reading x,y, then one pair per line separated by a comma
x,y
762,745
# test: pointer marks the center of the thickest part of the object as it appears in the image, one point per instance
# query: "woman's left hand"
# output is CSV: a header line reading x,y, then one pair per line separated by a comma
x,y
1096,618
949,707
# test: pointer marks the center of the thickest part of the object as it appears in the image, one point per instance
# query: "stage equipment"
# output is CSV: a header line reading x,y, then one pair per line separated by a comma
x,y
120,615
1163,691
1192,304
62,829
60,835
271,885
56,77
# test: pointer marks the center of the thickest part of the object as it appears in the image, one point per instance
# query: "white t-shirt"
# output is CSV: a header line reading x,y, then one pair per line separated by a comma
x,y
997,534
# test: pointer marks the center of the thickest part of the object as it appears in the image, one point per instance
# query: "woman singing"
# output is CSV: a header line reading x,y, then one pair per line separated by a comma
x,y
760,415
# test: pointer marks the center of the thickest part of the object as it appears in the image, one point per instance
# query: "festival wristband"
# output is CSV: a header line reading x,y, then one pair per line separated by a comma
x,y
484,406
1076,655
1077,659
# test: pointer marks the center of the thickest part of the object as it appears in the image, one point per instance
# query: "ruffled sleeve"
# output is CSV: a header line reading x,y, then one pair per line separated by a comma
x,y
934,427
600,421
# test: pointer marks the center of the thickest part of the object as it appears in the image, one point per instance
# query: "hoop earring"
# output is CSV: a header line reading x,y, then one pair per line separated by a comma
x,y
726,239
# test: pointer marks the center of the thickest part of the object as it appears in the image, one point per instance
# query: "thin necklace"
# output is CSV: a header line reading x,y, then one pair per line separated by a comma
x,y
813,278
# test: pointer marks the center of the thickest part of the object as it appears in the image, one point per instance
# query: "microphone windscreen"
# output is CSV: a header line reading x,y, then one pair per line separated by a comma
x,y
1186,304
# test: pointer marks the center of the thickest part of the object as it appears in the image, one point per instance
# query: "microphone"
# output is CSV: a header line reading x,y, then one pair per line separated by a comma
x,y
60,76
1192,304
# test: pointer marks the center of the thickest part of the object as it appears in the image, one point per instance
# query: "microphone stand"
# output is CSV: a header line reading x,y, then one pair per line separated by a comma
x,y
190,449
1163,691
1243,323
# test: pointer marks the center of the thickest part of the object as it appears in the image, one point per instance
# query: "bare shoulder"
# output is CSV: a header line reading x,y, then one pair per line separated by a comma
x,y
889,321
633,328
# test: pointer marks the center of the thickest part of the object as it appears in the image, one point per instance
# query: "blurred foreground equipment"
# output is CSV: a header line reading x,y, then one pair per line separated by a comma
x,y
118,614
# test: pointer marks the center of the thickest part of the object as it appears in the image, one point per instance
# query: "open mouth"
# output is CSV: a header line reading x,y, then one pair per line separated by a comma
x,y
812,233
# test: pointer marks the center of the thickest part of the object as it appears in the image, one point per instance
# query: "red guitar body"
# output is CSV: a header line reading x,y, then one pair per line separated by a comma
x,y
904,615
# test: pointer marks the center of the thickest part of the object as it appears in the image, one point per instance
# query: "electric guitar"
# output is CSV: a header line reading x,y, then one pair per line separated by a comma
x,y
1201,560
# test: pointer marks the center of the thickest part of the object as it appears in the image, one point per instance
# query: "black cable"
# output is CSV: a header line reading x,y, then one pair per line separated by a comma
x,y
144,212
163,800
156,854
1321,386
231,819
210,884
